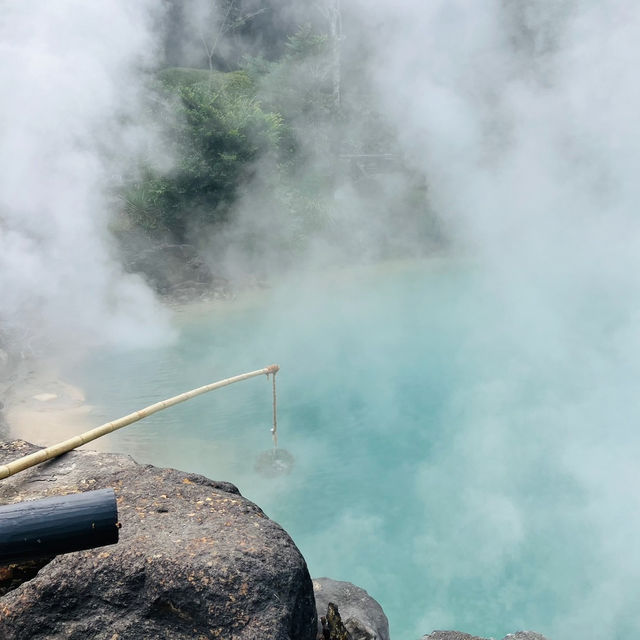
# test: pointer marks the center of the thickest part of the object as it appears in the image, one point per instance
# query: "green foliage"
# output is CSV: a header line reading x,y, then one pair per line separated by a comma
x,y
305,43
145,200
299,85
218,125
216,130
175,77
233,83
275,126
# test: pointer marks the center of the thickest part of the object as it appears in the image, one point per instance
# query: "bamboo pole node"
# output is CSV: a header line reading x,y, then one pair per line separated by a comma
x,y
65,446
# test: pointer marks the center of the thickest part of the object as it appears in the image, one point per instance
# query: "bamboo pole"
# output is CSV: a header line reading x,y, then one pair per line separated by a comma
x,y
55,450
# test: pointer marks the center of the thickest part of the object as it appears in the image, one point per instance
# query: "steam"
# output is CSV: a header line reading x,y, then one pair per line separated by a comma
x,y
522,119
521,115
71,123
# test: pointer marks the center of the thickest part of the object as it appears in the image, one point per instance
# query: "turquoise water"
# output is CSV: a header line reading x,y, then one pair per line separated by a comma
x,y
451,444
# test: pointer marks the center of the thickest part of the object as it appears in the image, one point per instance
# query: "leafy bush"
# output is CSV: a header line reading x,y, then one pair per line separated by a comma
x,y
215,129
276,127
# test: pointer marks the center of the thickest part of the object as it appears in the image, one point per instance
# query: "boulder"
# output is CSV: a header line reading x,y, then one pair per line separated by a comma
x,y
195,560
332,626
362,616
450,635
456,635
178,271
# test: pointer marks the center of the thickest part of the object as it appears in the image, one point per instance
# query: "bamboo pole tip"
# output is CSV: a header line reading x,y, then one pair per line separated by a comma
x,y
273,368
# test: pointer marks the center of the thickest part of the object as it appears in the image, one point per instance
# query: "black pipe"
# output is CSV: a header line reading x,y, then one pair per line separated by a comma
x,y
62,524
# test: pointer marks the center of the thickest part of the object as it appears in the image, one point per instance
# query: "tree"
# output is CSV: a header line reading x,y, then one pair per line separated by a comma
x,y
215,135
213,28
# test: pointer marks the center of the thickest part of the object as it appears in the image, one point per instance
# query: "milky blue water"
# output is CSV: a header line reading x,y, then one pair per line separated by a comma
x,y
442,435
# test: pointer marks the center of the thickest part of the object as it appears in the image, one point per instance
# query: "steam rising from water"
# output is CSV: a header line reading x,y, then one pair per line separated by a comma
x,y
523,118
71,124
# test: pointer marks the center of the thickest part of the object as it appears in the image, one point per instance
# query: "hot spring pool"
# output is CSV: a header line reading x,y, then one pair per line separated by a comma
x,y
459,452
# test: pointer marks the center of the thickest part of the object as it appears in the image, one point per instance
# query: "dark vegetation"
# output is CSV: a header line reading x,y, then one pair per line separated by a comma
x,y
265,112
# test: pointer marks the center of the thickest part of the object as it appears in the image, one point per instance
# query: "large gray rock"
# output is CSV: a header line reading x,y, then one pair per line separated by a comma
x,y
450,635
362,616
178,271
195,560
332,626
456,635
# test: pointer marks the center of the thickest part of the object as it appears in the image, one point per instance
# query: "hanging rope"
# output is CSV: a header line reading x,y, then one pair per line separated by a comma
x,y
274,462
274,429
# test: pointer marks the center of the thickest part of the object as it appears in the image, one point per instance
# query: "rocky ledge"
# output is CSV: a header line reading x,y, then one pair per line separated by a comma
x,y
360,615
195,561
456,635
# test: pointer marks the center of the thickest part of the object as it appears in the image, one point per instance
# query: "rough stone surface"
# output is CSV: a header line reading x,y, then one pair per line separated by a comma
x,y
456,635
332,626
195,560
362,616
450,635
168,266
178,272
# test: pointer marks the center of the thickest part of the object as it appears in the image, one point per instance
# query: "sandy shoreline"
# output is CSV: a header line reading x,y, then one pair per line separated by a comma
x,y
42,408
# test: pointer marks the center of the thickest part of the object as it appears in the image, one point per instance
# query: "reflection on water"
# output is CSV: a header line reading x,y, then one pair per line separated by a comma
x,y
435,429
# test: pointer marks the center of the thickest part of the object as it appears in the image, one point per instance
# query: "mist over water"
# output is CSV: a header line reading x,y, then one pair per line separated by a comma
x,y
465,433
520,115
448,459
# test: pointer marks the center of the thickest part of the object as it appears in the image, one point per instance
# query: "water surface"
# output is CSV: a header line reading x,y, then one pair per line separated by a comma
x,y
437,426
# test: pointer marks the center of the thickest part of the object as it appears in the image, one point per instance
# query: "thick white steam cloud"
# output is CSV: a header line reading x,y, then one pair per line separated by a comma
x,y
70,116
523,117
